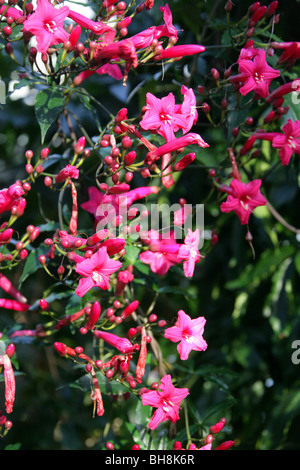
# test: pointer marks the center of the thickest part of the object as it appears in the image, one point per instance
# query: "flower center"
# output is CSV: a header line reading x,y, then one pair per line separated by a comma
x,y
193,253
187,335
96,277
50,26
244,202
258,77
291,142
167,404
165,117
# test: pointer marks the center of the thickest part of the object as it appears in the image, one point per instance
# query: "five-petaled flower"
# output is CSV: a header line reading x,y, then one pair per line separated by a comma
x,y
46,23
166,399
189,252
161,116
244,198
96,271
255,72
189,333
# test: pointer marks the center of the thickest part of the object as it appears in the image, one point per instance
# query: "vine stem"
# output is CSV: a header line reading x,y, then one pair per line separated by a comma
x,y
281,219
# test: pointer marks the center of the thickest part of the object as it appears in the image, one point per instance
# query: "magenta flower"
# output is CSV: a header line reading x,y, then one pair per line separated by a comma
x,y
176,52
68,172
180,142
9,196
189,333
256,73
288,142
166,400
189,252
105,207
122,344
9,378
46,23
161,116
243,199
96,271
161,253
147,36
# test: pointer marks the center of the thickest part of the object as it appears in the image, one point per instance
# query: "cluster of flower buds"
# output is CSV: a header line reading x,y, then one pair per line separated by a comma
x,y
207,442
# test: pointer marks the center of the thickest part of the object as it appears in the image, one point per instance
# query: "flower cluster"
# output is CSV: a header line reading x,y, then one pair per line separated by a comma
x,y
102,243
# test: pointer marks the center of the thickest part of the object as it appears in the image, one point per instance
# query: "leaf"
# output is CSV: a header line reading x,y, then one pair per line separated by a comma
x,y
32,264
261,270
48,105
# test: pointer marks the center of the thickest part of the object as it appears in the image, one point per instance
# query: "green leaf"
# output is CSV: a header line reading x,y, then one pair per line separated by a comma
x,y
32,264
261,270
48,105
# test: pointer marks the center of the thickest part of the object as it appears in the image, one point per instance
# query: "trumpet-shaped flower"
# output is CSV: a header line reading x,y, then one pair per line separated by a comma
x,y
9,378
122,344
189,252
96,271
288,142
46,23
189,333
166,399
256,73
162,253
161,116
243,199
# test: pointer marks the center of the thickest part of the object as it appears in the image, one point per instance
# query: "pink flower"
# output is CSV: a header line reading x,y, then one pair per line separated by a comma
x,y
8,287
68,172
189,252
161,116
189,334
122,344
161,253
46,23
255,72
97,27
8,196
96,271
243,199
189,106
166,400
183,50
146,37
180,142
288,142
290,54
181,215
9,378
105,207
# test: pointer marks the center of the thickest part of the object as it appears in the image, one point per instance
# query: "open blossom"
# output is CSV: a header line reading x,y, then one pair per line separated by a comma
x,y
244,198
287,142
105,207
166,399
189,333
146,37
161,116
255,73
189,252
161,253
291,51
96,271
47,24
